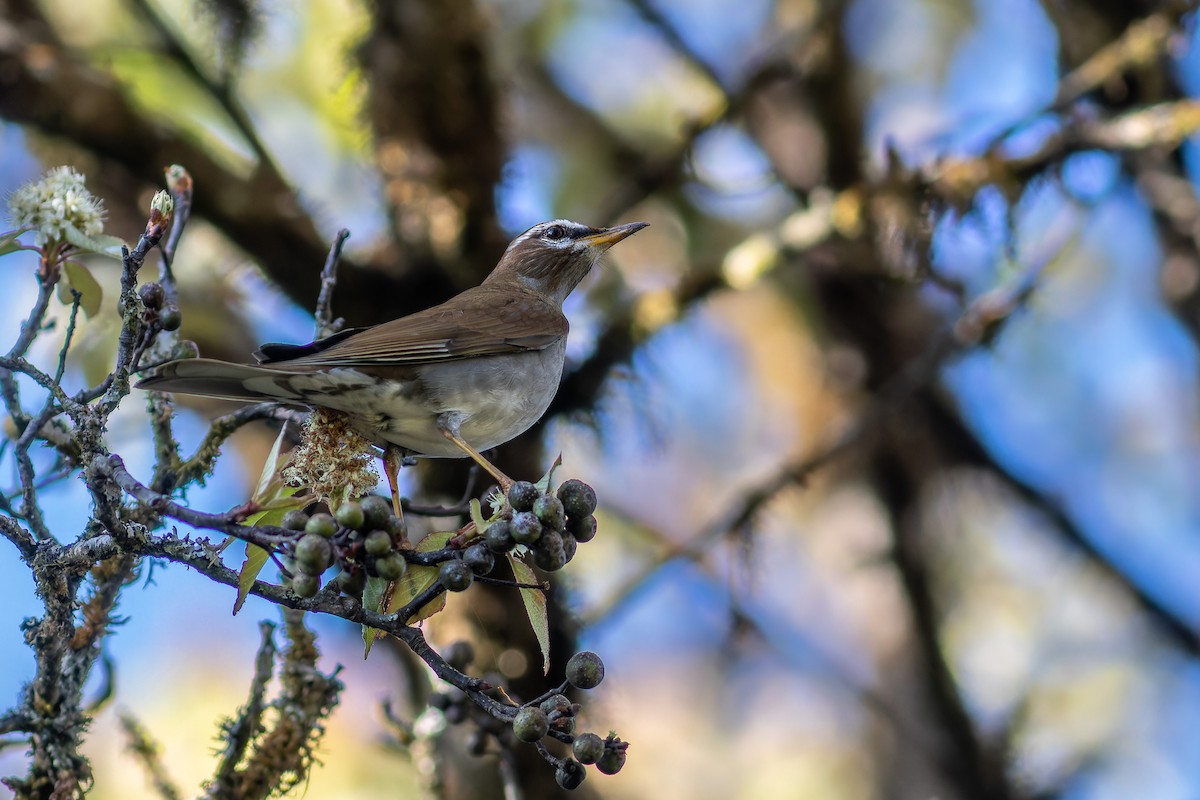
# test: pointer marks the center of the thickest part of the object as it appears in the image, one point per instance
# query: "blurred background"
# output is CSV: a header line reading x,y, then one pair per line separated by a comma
x,y
892,411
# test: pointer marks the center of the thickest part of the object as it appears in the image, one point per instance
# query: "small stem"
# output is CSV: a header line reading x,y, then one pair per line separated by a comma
x,y
325,323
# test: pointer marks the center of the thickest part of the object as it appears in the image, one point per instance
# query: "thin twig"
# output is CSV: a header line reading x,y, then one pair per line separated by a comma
x,y
325,323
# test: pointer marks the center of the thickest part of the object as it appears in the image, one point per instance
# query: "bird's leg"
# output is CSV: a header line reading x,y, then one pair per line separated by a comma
x,y
448,425
393,459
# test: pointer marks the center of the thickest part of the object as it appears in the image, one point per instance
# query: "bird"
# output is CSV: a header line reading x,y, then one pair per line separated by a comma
x,y
450,381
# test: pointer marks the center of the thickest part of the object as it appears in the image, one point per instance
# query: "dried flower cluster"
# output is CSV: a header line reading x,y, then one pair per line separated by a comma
x,y
332,458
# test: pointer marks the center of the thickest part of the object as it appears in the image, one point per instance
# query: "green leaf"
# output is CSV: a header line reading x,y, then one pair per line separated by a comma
x,y
256,558
373,598
78,277
100,244
535,606
543,485
416,580
481,524
274,500
10,241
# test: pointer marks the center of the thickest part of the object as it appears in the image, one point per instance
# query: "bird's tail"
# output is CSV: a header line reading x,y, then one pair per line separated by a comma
x,y
222,379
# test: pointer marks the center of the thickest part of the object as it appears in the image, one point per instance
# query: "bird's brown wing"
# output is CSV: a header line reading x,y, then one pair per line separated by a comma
x,y
482,321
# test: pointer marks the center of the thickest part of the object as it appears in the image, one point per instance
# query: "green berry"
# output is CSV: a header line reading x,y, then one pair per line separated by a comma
x,y
351,583
455,575
499,538
614,756
521,495
313,554
350,515
549,511
570,774
376,511
294,520
396,527
549,554
585,670
378,543
587,748
583,528
577,498
321,525
530,724
170,319
479,559
391,567
306,585
525,527
557,702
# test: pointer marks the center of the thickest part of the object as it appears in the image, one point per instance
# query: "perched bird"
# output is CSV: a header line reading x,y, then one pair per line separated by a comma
x,y
449,381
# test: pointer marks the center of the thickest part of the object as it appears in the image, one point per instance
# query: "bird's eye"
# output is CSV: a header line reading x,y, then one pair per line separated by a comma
x,y
554,233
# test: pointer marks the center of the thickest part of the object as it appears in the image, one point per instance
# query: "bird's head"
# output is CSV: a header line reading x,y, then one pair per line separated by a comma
x,y
551,258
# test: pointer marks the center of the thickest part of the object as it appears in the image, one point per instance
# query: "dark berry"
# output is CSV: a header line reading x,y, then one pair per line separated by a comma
x,y
456,713
549,511
391,567
570,545
614,756
548,553
306,585
521,495
525,527
587,748
376,511
152,295
477,743
583,528
170,319
321,525
350,515
563,725
499,538
455,575
459,654
313,554
530,724
577,498
585,670
479,559
558,702
378,543
294,520
570,774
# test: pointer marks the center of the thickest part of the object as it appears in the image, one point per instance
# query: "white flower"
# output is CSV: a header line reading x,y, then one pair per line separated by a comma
x,y
55,204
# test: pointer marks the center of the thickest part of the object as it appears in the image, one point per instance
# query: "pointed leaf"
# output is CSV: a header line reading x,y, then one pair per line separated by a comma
x,y
79,278
481,524
416,580
10,241
100,244
256,559
274,500
543,485
374,596
535,607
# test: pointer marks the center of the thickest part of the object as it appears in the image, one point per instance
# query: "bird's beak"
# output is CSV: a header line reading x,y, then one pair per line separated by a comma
x,y
606,238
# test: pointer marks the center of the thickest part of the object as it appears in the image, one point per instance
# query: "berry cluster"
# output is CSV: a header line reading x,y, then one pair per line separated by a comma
x,y
552,526
362,538
551,715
